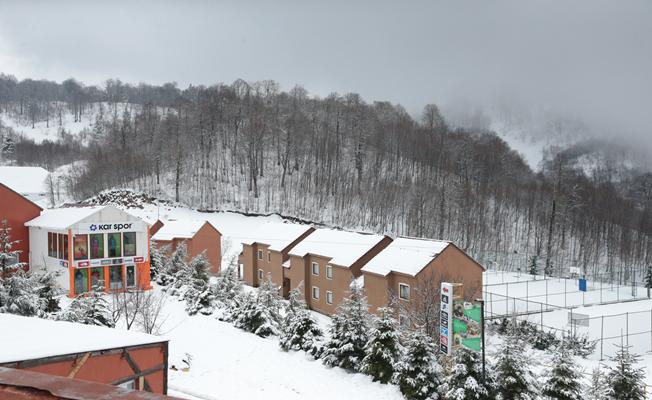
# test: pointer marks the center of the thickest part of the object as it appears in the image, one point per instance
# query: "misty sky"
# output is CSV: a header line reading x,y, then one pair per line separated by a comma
x,y
591,59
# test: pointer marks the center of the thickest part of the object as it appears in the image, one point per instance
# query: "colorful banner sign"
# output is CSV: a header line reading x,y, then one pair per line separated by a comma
x,y
460,322
446,319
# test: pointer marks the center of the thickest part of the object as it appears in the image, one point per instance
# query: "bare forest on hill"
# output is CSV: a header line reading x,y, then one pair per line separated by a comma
x,y
338,160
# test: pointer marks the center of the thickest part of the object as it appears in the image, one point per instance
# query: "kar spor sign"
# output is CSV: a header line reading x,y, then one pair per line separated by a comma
x,y
109,227
101,227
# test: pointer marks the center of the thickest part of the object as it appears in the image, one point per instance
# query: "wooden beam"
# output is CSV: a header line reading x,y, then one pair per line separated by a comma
x,y
79,365
136,369
138,375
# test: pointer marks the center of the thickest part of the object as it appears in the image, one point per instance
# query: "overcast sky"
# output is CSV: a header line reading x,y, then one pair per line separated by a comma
x,y
588,58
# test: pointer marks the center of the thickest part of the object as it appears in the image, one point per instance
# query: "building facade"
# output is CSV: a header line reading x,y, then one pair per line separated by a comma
x,y
199,237
17,210
91,248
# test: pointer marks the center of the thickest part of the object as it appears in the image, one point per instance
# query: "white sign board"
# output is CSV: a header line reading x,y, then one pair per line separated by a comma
x,y
101,227
575,270
446,319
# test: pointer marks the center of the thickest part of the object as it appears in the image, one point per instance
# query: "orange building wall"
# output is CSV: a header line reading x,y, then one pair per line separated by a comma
x,y
207,238
17,210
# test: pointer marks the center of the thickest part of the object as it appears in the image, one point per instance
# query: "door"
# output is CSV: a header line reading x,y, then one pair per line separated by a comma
x,y
131,276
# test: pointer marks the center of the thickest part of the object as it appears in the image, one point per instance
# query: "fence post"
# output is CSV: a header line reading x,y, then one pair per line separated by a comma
x,y
546,293
541,317
601,289
627,327
565,280
601,336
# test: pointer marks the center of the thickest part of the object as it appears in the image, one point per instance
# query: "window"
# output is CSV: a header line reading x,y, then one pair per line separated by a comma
x,y
261,275
131,275
269,256
62,253
260,254
97,279
80,247
329,272
115,277
129,240
315,292
115,244
81,280
52,244
97,246
403,291
329,297
315,268
404,321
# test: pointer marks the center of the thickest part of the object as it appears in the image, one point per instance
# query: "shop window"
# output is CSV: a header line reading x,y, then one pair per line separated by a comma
x,y
80,247
62,254
129,239
315,292
315,268
81,280
403,291
52,244
131,275
329,297
97,279
115,245
97,245
329,272
115,277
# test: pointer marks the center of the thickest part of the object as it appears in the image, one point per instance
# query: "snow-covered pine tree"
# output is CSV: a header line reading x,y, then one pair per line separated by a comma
x,y
174,266
625,381
382,350
564,380
18,294
157,259
515,379
228,286
199,295
45,286
418,374
90,308
348,332
465,380
259,313
8,256
648,279
597,390
299,330
8,147
533,266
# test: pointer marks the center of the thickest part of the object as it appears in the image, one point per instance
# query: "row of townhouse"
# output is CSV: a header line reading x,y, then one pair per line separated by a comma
x,y
325,262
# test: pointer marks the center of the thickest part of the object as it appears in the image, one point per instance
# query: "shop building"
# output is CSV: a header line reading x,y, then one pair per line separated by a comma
x,y
100,247
264,253
16,210
327,261
128,359
199,236
411,268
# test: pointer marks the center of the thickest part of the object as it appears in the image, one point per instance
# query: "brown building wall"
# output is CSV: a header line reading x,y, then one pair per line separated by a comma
x,y
110,367
207,239
17,210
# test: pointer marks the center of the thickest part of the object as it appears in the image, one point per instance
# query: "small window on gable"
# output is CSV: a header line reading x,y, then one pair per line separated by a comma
x,y
315,292
403,291
329,272
260,254
315,268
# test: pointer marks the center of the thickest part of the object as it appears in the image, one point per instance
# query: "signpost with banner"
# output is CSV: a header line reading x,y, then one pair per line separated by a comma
x,y
460,321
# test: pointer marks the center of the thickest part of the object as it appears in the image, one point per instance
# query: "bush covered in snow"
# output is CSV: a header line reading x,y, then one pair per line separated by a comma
x,y
299,330
259,312
383,349
419,375
91,309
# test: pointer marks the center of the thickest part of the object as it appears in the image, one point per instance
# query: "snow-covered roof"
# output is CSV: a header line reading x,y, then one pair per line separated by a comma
x,y
277,235
179,229
24,180
27,341
405,255
344,248
63,218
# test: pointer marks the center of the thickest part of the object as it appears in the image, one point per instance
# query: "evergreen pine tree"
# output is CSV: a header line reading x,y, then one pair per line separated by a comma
x,y
45,286
199,295
18,295
299,330
382,349
625,381
465,380
563,382
228,286
157,259
418,374
648,279
8,147
174,266
91,308
514,378
348,332
598,387
259,313
533,267
8,256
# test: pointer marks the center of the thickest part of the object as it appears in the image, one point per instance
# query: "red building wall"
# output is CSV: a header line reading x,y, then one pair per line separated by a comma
x,y
17,210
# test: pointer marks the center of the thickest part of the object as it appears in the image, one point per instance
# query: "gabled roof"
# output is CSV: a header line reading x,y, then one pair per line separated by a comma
x,y
69,338
277,236
180,229
342,247
406,256
64,218
20,195
24,180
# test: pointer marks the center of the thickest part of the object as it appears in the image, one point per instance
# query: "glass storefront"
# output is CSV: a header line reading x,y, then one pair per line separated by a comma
x,y
81,281
63,247
97,246
80,247
97,279
115,244
129,243
131,275
115,277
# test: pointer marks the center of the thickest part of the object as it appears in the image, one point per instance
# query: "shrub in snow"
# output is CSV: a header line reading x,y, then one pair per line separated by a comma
x,y
174,267
91,309
383,348
19,295
157,259
515,379
465,379
228,286
418,374
258,312
597,389
198,294
348,332
579,344
648,279
299,330
563,380
624,380
533,266
46,290
8,256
